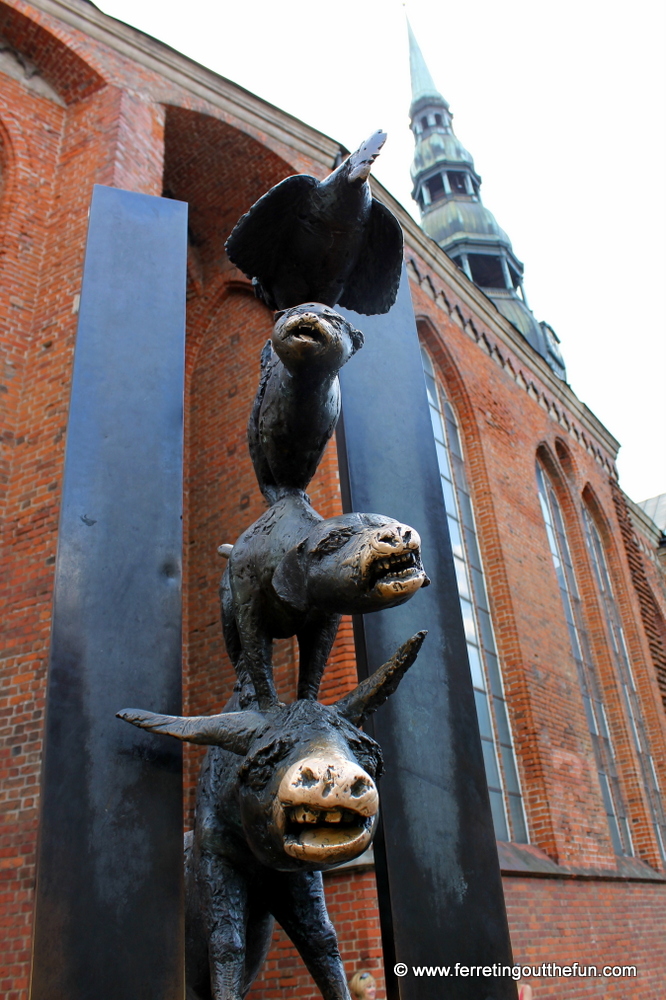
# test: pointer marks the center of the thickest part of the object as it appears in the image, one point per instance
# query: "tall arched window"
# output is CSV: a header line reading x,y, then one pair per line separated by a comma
x,y
587,674
623,666
498,753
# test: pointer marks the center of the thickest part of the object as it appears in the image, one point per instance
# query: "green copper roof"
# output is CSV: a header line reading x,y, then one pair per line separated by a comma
x,y
443,148
423,85
449,221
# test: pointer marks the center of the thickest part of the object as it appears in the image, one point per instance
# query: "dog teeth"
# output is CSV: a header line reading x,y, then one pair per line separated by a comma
x,y
397,565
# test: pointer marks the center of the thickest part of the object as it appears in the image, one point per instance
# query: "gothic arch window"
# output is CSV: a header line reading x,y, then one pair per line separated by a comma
x,y
564,456
498,753
587,673
625,673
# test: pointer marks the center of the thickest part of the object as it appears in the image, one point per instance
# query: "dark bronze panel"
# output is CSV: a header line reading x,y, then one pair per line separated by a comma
x,y
440,884
109,890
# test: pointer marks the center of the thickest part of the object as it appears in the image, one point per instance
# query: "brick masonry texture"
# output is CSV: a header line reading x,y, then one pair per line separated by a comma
x,y
352,905
558,921
575,916
88,109
647,581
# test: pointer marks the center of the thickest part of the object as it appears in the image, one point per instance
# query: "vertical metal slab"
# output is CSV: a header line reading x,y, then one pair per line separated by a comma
x,y
109,889
438,872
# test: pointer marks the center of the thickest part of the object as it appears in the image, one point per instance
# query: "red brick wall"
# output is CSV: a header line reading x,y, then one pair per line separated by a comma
x,y
508,416
552,920
592,923
121,124
107,127
50,168
648,590
352,905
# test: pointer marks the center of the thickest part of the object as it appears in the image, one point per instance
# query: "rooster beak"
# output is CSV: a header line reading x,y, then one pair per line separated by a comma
x,y
361,161
361,171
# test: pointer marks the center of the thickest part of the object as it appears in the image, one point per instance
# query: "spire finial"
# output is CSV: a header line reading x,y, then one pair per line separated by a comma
x,y
423,84
446,189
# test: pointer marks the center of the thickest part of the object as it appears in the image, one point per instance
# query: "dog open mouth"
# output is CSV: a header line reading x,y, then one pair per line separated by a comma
x,y
326,835
399,568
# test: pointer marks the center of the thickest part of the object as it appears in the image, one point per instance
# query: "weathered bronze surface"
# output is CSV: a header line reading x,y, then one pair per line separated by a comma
x,y
293,573
282,795
298,401
325,241
286,791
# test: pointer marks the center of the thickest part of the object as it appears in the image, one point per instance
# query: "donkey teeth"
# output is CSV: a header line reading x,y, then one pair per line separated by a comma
x,y
304,815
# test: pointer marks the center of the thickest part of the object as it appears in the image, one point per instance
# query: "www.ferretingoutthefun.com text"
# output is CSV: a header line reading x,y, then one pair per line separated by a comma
x,y
548,970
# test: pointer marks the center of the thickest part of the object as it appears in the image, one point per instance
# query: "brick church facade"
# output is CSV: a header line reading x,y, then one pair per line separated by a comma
x,y
562,591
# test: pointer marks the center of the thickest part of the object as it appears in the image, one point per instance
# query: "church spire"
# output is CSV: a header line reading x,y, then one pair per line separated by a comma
x,y
423,85
447,190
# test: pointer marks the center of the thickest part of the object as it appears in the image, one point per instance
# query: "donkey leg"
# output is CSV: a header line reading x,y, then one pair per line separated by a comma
x,y
297,902
223,898
259,935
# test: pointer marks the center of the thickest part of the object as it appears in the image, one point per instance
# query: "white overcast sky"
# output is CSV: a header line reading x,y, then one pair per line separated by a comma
x,y
562,107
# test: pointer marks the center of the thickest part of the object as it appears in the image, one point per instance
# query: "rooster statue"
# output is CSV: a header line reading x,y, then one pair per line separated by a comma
x,y
324,241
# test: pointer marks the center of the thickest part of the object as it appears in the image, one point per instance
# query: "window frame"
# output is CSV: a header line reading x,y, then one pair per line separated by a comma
x,y
492,711
621,658
559,544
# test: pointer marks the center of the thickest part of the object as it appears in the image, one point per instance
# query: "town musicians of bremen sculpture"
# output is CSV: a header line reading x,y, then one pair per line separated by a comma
x,y
287,791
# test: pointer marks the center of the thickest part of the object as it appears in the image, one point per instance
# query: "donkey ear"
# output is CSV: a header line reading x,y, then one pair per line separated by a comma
x,y
233,731
375,689
289,578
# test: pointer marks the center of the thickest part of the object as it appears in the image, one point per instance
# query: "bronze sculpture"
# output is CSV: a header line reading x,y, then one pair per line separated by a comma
x,y
298,400
281,796
325,241
288,791
293,573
